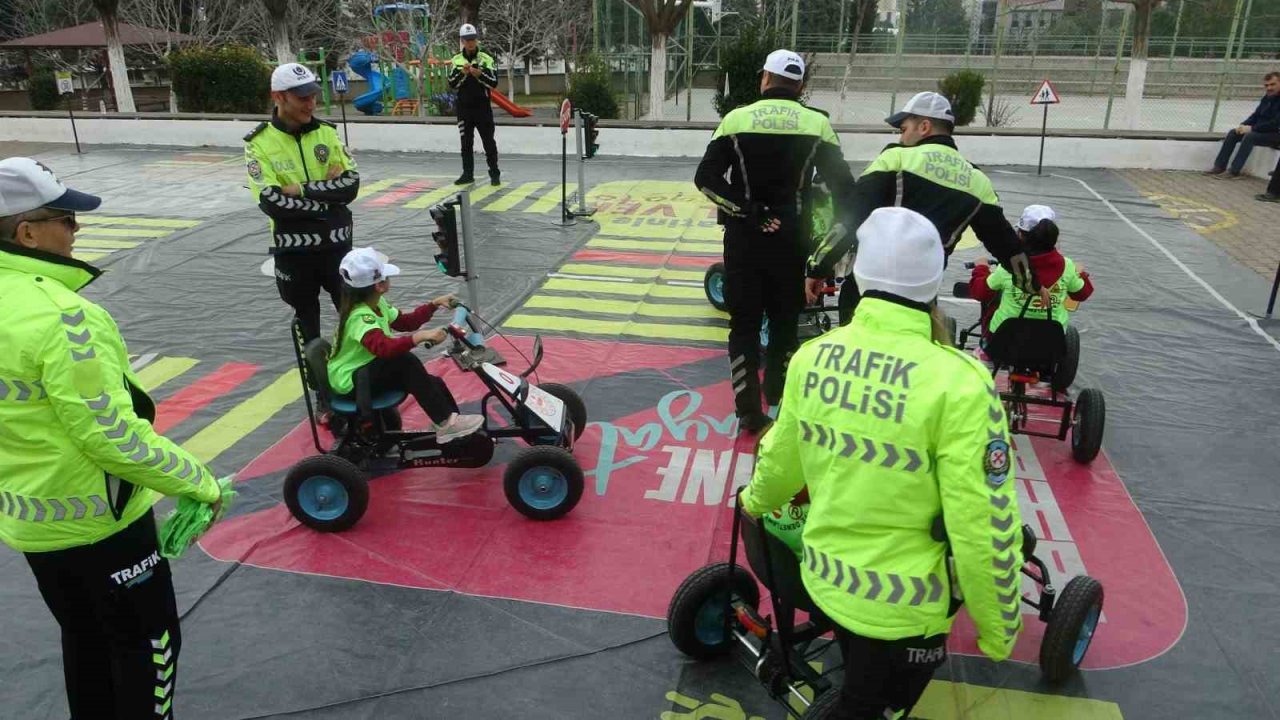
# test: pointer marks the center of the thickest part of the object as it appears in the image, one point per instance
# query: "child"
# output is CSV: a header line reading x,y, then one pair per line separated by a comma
x,y
364,337
1058,275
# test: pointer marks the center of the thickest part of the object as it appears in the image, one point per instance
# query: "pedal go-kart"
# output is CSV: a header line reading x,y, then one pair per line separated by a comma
x,y
1036,351
329,492
716,612
814,319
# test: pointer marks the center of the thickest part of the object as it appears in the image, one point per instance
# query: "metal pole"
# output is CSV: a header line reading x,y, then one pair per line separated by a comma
x,y
795,23
1177,30
688,71
565,215
473,280
1275,286
342,105
1226,62
595,26
840,29
1115,69
578,134
1244,31
897,63
74,134
1044,126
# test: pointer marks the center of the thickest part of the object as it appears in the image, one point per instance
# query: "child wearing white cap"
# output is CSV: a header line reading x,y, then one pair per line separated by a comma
x,y
1060,278
365,338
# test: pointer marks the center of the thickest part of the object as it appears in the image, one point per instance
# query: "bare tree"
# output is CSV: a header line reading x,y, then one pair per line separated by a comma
x,y
662,17
515,29
278,28
108,13
33,17
208,22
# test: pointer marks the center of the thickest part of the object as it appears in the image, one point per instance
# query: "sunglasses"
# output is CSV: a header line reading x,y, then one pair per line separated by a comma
x,y
68,220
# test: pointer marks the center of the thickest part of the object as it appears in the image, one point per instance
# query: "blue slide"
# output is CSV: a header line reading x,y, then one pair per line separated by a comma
x,y
369,103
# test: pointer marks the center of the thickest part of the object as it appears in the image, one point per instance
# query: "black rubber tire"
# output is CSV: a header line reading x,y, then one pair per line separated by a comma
x,y
715,269
824,706
1066,373
549,456
573,404
702,586
352,478
1087,425
1063,629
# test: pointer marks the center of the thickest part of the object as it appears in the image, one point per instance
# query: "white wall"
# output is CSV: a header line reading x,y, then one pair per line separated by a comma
x,y
1060,152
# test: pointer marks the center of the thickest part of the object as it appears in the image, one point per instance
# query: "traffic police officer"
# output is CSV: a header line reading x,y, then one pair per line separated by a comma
x,y
303,178
82,464
924,172
902,444
472,76
769,151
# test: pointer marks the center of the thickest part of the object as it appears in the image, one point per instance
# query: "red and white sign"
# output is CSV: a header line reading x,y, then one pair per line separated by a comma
x,y
566,114
1046,95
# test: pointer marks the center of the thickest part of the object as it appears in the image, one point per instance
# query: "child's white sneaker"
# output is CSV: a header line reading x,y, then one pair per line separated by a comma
x,y
457,426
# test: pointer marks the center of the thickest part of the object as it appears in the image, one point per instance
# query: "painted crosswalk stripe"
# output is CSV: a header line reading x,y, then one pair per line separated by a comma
x,y
123,232
163,370
96,244
433,197
379,186
90,256
244,418
624,288
138,362
615,328
481,193
174,223
551,199
629,271
191,399
513,198
626,308
656,245
400,194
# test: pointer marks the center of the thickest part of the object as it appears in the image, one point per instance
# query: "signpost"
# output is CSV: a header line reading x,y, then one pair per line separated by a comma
x,y
339,80
67,87
566,115
1045,96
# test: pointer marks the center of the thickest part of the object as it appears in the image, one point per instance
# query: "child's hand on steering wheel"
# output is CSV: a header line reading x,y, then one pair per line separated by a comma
x,y
445,301
435,337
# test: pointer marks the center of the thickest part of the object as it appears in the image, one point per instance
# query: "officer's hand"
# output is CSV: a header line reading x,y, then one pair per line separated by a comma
x,y
1243,130
1020,267
445,301
813,288
292,190
217,511
435,337
334,171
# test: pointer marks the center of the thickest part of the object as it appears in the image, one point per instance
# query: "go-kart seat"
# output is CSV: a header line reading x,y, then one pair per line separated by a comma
x,y
786,583
1031,345
316,354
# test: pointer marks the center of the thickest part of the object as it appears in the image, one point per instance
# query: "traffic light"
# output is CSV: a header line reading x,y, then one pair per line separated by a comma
x,y
589,134
446,236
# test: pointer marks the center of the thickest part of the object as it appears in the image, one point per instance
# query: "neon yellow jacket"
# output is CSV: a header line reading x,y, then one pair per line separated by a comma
x,y
1012,299
349,353
81,460
889,430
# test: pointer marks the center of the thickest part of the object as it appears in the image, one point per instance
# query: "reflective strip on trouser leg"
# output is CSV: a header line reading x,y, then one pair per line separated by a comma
x,y
165,664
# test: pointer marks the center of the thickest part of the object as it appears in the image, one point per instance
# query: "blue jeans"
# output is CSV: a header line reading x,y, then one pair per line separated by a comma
x,y
1247,142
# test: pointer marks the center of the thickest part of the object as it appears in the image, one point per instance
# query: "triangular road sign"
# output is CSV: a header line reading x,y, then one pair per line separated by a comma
x,y
1046,95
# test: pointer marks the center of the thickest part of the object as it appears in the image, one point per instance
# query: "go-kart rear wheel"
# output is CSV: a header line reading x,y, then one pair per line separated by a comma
x,y
824,706
543,482
573,405
713,285
1088,422
1066,371
1070,629
696,615
326,493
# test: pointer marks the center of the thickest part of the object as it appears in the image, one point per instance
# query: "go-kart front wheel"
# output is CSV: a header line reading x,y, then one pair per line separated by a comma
x,y
824,706
573,405
1088,421
543,482
326,493
696,615
1070,629
713,284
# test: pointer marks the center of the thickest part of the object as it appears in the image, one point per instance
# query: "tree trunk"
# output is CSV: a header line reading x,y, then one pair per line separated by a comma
x,y
528,70
658,76
511,79
119,70
469,11
280,39
1137,80
853,53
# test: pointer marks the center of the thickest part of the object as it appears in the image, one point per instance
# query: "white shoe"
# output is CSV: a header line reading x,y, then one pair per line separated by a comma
x,y
457,426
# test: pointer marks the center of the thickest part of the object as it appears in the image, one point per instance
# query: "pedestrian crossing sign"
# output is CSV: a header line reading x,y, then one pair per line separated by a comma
x,y
1046,95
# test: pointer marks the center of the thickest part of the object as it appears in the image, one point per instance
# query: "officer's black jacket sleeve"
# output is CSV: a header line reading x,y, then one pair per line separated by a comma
x,y
996,234
873,190
339,191
710,178
488,77
279,206
456,76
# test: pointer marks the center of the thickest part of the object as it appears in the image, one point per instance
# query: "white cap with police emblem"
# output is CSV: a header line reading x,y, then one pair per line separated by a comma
x,y
294,78
785,64
925,104
467,31
26,185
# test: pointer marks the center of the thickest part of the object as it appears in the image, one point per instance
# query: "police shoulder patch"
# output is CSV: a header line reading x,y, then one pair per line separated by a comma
x,y
996,461
255,170
253,133
369,319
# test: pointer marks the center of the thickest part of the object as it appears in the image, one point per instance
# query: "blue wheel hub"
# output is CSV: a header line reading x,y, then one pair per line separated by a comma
x,y
1086,635
715,287
708,625
322,497
543,488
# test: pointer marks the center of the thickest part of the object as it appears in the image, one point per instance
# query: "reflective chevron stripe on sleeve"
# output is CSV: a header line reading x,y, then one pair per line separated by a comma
x,y
21,390
34,509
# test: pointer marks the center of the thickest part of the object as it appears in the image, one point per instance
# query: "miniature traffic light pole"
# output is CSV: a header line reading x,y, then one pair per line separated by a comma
x,y
455,265
585,150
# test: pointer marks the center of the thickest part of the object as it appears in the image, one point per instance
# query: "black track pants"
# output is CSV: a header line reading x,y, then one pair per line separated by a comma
x,y
120,637
883,677
406,373
483,123
300,277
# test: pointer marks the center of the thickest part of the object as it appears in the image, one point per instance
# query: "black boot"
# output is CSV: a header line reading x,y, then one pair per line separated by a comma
x,y
466,178
495,177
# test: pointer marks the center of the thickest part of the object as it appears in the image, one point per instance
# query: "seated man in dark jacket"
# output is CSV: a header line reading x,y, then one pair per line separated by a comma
x,y
1260,128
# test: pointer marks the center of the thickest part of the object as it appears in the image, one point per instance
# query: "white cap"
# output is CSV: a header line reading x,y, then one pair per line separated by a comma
x,y
26,185
900,253
364,267
786,64
925,104
294,78
1033,214
467,31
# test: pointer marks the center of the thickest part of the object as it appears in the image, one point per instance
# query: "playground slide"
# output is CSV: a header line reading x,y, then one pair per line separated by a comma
x,y
370,103
503,102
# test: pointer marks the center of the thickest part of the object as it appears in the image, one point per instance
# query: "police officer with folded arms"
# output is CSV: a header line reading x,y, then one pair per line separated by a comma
x,y
472,75
768,150
303,179
82,464
925,172
902,443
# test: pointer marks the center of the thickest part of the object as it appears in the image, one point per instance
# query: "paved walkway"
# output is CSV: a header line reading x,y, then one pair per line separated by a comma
x,y
1223,211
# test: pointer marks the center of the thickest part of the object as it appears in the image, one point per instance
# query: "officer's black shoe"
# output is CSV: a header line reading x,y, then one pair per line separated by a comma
x,y
465,179
495,178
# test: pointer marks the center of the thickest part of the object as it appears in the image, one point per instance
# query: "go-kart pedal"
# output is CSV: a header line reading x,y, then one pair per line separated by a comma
x,y
457,426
